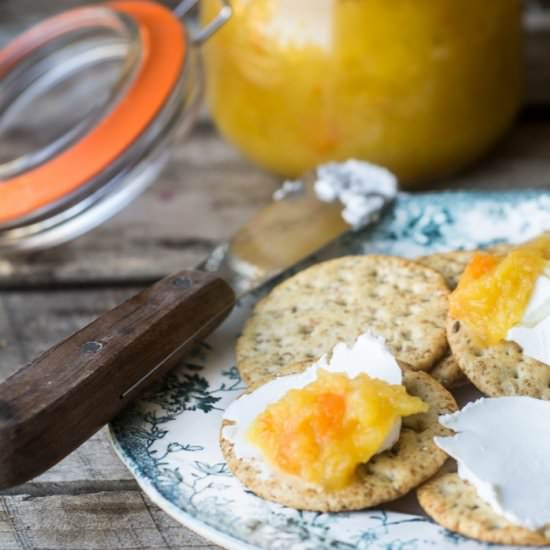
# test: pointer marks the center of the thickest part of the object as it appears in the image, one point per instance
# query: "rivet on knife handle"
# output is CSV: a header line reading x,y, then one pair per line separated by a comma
x,y
52,405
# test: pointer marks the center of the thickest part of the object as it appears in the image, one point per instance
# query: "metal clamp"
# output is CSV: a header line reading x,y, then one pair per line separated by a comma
x,y
204,33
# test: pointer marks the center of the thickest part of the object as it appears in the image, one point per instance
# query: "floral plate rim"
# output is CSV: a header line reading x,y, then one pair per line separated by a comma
x,y
438,227
197,526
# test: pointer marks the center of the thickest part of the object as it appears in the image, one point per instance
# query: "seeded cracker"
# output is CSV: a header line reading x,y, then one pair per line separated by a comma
x,y
387,476
308,314
448,373
497,370
454,504
451,265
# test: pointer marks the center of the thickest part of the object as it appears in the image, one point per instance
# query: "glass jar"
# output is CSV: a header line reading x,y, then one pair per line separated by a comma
x,y
422,87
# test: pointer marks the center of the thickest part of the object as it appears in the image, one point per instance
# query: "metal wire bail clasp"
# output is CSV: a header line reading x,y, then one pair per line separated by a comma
x,y
201,34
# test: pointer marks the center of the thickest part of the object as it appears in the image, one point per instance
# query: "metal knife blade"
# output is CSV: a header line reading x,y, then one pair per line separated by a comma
x,y
294,226
283,236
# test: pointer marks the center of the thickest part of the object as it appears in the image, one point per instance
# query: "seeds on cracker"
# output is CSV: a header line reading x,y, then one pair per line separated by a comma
x,y
386,476
335,301
448,373
500,504
500,369
498,321
455,504
452,264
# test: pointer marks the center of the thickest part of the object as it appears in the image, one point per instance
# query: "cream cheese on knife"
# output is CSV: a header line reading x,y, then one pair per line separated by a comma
x,y
502,446
360,186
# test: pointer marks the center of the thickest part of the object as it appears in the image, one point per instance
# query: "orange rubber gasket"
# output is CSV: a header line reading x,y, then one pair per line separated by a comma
x,y
164,46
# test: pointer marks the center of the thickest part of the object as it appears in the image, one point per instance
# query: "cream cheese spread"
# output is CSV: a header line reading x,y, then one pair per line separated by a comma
x,y
502,446
533,332
361,187
367,355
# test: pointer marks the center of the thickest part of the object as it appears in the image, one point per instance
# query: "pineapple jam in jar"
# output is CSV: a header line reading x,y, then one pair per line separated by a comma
x,y
422,87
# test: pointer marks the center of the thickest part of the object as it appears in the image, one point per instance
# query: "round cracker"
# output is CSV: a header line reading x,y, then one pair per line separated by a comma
x,y
448,373
387,476
336,301
497,370
452,264
454,504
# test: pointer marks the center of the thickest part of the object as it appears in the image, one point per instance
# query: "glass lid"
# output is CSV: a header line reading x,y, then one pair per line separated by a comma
x,y
90,101
57,92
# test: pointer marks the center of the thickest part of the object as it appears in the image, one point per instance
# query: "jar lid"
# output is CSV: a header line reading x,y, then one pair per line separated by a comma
x,y
89,100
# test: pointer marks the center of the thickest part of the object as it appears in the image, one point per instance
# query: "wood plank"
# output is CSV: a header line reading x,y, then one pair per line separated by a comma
x,y
36,321
205,194
173,533
90,499
208,191
94,460
32,322
520,161
10,352
94,521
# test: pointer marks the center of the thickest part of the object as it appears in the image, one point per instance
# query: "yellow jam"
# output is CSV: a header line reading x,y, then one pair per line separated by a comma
x,y
322,432
494,291
421,87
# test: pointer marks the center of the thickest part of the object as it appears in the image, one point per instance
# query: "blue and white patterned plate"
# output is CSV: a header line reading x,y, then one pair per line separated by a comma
x,y
169,439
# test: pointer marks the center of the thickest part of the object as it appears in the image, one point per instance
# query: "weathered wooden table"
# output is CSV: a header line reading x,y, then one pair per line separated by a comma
x,y
90,501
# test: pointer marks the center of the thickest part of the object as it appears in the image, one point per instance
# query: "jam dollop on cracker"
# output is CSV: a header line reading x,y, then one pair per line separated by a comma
x,y
494,291
322,432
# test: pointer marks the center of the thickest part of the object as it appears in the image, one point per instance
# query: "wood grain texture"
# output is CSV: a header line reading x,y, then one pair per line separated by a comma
x,y
205,194
89,377
39,514
209,190
91,521
33,321
89,500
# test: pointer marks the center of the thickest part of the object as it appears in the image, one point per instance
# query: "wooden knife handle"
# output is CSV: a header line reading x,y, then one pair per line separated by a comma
x,y
52,405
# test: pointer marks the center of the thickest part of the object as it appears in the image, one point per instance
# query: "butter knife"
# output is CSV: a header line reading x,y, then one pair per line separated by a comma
x,y
53,404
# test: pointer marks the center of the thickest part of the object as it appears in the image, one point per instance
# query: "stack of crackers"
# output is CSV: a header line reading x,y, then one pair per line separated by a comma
x,y
406,303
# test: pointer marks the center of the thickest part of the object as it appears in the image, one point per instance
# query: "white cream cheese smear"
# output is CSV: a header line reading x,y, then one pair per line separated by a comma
x,y
368,355
360,186
533,333
502,446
